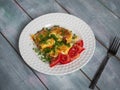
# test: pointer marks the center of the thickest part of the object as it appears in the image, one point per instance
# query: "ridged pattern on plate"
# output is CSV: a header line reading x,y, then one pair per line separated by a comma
x,y
67,21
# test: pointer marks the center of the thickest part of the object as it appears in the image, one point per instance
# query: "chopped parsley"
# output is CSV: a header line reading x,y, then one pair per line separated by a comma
x,y
63,33
36,50
67,44
48,29
43,55
56,26
74,36
54,37
47,50
41,36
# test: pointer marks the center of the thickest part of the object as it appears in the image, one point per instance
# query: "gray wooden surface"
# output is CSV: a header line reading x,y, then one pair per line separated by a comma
x,y
14,74
15,14
112,5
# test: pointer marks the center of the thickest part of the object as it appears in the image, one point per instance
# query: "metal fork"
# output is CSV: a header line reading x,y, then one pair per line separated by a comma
x,y
111,52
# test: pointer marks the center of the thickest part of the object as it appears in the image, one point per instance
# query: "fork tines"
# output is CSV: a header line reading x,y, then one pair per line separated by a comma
x,y
115,45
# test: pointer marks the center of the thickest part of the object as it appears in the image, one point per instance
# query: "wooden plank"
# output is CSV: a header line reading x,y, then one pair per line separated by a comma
x,y
14,74
111,75
110,78
12,20
94,63
36,8
104,23
74,81
112,5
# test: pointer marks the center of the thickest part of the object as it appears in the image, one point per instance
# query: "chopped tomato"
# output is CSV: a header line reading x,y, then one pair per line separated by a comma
x,y
55,61
73,51
76,56
64,59
79,43
81,49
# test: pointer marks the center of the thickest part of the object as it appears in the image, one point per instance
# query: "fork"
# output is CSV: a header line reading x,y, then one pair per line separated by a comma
x,y
111,52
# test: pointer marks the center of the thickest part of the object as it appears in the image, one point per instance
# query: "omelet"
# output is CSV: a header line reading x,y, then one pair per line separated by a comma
x,y
63,49
54,40
62,33
49,43
37,37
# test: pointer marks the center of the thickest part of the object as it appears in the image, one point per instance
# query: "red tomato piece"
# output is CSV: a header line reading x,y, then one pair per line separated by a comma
x,y
64,59
75,57
81,49
73,51
80,43
55,61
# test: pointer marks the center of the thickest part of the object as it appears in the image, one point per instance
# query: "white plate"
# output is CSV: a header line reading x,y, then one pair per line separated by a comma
x,y
67,21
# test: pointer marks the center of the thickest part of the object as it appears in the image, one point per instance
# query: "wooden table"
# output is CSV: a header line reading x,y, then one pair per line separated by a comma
x,y
103,16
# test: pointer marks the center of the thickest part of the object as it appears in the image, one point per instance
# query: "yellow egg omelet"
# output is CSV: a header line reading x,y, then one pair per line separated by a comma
x,y
54,40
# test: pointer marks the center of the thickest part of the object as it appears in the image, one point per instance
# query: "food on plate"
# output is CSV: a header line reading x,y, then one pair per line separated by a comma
x,y
57,45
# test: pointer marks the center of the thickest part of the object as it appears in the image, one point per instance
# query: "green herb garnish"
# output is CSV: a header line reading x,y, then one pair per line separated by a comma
x,y
48,29
36,50
41,36
74,36
54,37
56,26
44,57
63,33
47,50
67,44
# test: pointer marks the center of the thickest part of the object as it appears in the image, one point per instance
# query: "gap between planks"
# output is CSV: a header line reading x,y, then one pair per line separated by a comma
x,y
22,8
24,61
108,8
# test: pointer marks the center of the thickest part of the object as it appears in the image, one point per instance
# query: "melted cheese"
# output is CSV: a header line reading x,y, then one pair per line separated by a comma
x,y
53,54
61,32
63,49
49,43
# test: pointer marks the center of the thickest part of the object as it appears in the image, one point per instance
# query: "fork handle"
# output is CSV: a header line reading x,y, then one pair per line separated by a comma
x,y
99,72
